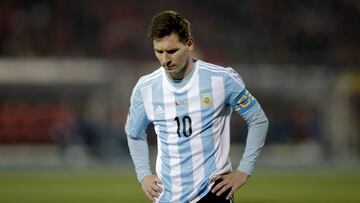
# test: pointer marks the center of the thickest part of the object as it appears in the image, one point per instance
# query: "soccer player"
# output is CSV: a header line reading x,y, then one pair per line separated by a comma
x,y
190,102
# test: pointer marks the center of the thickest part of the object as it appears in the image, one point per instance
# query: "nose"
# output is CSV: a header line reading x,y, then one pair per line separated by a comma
x,y
165,59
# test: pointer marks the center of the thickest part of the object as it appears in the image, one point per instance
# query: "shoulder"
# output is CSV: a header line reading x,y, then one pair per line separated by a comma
x,y
226,72
145,81
209,67
149,78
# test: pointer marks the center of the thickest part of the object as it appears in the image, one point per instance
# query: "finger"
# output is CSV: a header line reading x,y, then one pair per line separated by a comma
x,y
150,196
218,186
156,188
150,192
154,194
231,193
160,188
223,189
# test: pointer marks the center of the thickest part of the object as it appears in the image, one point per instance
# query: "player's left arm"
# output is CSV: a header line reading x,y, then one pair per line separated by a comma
x,y
250,110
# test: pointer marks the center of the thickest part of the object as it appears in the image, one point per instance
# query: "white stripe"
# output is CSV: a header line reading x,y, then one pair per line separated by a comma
x,y
224,147
158,158
172,141
218,92
195,140
146,93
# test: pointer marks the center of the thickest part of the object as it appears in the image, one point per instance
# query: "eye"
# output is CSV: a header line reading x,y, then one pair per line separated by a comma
x,y
171,51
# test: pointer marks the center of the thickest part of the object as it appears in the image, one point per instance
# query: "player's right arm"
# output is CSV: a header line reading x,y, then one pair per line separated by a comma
x,y
137,139
135,127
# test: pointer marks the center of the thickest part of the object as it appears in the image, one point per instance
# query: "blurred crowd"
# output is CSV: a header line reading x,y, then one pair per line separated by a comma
x,y
295,31
284,33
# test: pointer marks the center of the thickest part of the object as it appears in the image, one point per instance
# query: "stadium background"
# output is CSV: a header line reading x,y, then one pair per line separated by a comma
x,y
67,69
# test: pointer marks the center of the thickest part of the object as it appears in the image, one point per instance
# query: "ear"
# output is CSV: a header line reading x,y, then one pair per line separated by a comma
x,y
190,44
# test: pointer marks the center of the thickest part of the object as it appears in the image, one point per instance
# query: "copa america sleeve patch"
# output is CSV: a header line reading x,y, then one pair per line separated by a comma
x,y
243,102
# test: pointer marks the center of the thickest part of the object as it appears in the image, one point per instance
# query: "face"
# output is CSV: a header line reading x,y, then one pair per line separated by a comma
x,y
173,55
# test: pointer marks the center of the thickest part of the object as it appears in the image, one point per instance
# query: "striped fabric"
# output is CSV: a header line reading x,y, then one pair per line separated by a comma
x,y
192,123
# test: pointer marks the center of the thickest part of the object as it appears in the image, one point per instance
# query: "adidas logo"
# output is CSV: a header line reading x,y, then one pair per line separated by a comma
x,y
159,110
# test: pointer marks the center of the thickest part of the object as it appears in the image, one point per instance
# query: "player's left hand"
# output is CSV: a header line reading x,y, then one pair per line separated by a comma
x,y
230,182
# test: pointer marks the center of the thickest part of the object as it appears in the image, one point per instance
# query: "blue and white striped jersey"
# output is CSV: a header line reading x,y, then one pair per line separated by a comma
x,y
192,123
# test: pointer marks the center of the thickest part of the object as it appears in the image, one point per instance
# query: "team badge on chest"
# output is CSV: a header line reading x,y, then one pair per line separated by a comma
x,y
206,100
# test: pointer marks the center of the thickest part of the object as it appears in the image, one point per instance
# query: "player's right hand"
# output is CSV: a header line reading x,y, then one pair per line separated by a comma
x,y
152,186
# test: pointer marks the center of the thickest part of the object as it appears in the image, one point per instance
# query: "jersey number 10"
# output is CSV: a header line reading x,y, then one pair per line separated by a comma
x,y
186,126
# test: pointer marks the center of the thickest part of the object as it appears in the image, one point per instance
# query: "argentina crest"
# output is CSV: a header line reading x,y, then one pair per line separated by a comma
x,y
206,100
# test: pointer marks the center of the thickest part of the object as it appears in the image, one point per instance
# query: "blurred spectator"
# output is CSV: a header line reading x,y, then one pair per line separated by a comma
x,y
305,32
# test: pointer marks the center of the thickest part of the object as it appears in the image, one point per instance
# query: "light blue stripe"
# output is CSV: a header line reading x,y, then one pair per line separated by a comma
x,y
158,100
207,130
184,145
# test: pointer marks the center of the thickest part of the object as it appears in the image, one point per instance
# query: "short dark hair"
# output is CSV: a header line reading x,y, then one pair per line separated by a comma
x,y
167,22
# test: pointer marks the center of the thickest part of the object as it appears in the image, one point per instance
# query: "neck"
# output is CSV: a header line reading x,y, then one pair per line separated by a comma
x,y
185,71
